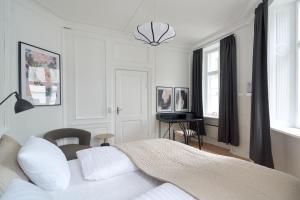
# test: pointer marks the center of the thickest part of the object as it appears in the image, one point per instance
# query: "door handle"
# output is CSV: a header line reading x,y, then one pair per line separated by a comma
x,y
118,110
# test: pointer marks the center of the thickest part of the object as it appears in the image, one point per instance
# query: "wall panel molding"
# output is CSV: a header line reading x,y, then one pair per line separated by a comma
x,y
5,38
106,124
95,129
126,54
86,80
90,78
2,62
120,54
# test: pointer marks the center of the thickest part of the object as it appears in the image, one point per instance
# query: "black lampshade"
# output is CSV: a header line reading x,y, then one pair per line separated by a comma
x,y
22,105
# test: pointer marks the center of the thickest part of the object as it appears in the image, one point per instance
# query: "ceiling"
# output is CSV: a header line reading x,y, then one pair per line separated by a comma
x,y
193,20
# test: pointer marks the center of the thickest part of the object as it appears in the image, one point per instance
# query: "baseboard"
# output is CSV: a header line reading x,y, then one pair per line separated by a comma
x,y
239,153
215,142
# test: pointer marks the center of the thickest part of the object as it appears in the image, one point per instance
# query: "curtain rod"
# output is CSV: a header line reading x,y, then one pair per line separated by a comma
x,y
232,32
215,40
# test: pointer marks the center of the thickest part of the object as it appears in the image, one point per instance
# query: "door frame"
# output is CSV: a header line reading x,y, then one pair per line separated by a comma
x,y
149,71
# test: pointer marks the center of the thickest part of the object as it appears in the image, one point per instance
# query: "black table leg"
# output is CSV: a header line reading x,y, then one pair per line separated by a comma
x,y
173,135
183,128
169,131
187,137
198,133
159,129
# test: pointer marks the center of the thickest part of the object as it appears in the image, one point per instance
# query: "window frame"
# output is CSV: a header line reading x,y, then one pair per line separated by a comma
x,y
206,51
297,123
293,120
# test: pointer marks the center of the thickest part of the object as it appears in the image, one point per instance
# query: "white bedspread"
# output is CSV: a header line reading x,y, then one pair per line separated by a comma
x,y
207,176
125,187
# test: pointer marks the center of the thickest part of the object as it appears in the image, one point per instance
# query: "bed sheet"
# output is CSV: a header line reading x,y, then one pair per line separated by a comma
x,y
124,187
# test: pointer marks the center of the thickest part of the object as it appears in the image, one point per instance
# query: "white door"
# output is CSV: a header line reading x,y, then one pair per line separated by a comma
x,y
131,105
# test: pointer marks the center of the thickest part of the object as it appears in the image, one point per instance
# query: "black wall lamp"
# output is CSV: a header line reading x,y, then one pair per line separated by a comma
x,y
21,104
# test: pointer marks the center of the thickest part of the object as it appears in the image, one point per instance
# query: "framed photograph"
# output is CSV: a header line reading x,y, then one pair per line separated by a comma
x,y
39,75
164,99
181,100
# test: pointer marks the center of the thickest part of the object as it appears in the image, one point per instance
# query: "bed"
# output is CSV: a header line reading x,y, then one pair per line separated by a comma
x,y
153,169
209,176
200,174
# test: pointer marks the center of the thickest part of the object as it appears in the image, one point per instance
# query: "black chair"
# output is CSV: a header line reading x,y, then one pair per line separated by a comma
x,y
189,133
70,149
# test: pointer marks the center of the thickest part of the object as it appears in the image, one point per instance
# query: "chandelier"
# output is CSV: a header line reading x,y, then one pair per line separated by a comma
x,y
154,33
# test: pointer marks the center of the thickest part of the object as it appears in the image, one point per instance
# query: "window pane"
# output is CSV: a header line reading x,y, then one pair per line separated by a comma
x,y
282,64
211,68
213,95
298,12
213,61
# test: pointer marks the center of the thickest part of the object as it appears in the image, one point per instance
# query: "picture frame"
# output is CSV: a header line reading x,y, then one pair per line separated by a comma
x,y
164,99
39,75
181,99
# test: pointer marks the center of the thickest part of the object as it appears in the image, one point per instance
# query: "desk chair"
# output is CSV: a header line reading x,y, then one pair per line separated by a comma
x,y
187,135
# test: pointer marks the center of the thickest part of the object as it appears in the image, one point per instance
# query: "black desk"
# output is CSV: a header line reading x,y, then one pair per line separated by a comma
x,y
183,120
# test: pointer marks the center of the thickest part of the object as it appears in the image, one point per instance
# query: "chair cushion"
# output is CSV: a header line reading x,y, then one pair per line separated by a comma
x,y
189,132
71,149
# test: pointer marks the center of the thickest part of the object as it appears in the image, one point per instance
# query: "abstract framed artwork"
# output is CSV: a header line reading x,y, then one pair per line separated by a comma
x,y
164,99
181,99
39,75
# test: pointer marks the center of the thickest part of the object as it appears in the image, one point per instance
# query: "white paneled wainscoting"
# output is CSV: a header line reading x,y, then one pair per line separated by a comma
x,y
92,63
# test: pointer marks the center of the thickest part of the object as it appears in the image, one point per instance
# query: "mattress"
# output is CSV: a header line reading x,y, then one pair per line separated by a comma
x,y
123,187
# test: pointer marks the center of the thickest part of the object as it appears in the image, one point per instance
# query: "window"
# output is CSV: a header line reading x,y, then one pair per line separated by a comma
x,y
284,73
211,77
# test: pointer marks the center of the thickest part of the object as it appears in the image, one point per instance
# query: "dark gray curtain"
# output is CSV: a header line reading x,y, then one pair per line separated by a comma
x,y
197,102
228,108
260,141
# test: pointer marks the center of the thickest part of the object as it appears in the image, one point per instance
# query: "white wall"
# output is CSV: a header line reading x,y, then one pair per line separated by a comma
x,y
173,69
244,37
2,62
91,60
292,155
27,23
175,63
244,41
90,57
284,147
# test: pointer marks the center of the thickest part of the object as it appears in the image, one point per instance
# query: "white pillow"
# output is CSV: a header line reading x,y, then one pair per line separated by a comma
x,y
103,163
45,164
165,191
23,190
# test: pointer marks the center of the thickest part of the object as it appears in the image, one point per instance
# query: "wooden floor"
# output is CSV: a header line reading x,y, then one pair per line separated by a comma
x,y
215,149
